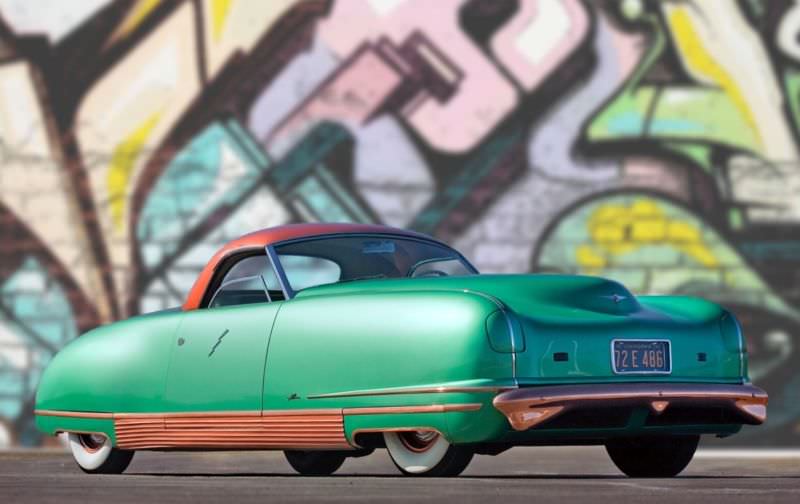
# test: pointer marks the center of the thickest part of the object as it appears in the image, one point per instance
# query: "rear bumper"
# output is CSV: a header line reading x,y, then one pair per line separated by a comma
x,y
526,408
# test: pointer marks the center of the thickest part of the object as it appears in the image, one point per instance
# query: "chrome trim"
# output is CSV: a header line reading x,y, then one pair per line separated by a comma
x,y
237,280
411,390
74,414
513,346
429,260
288,293
266,288
615,297
497,302
237,413
431,408
623,373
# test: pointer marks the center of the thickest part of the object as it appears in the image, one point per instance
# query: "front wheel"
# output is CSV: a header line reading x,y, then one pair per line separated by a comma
x,y
94,454
652,457
426,453
314,463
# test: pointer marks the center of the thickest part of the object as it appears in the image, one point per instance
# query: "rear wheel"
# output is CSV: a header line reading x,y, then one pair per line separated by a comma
x,y
652,457
94,454
426,453
314,463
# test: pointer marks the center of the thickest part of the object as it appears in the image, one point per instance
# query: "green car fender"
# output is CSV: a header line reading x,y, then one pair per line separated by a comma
x,y
113,368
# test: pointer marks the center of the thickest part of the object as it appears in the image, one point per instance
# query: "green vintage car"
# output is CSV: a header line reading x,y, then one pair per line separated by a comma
x,y
328,341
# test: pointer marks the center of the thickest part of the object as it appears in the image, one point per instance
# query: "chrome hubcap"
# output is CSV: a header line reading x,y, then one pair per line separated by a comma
x,y
92,442
418,441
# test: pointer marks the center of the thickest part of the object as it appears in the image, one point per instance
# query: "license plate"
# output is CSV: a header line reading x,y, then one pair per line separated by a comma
x,y
641,356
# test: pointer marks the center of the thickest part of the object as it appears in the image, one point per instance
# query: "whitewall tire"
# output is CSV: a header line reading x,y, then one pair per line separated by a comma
x,y
94,454
426,453
6,436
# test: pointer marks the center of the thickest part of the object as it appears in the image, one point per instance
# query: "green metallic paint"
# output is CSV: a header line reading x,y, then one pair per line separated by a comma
x,y
505,332
578,315
119,367
377,340
388,334
54,424
218,359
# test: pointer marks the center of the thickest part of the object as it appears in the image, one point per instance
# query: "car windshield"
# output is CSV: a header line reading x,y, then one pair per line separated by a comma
x,y
320,261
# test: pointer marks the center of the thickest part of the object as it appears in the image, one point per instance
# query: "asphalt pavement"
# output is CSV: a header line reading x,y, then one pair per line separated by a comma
x,y
534,475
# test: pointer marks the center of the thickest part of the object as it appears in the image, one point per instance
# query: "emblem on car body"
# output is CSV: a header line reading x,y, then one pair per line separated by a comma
x,y
616,298
219,340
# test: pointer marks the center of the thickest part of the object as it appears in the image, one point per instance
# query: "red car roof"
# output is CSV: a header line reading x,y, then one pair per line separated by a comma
x,y
262,238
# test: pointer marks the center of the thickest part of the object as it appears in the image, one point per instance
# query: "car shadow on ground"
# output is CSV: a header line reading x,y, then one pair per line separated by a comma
x,y
464,477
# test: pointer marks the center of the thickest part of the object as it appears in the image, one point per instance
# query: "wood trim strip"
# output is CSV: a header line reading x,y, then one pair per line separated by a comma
x,y
277,429
296,429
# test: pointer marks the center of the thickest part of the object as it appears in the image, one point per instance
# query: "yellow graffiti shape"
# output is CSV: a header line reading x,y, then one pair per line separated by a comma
x,y
219,12
120,169
589,259
697,57
138,13
615,230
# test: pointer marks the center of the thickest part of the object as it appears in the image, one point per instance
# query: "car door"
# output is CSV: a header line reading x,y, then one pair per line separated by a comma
x,y
219,352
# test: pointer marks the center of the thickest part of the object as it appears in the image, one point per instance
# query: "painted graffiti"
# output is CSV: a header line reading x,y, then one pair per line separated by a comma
x,y
653,142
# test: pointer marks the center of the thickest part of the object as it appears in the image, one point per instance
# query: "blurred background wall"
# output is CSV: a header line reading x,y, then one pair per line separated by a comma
x,y
655,143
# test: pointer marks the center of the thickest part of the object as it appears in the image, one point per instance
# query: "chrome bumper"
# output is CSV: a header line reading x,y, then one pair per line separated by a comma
x,y
528,407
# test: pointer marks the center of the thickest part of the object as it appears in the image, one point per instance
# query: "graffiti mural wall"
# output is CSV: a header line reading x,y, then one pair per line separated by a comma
x,y
653,142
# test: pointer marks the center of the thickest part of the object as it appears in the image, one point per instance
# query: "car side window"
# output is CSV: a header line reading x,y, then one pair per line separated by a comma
x,y
306,271
250,280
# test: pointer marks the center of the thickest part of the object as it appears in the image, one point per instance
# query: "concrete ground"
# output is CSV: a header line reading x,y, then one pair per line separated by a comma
x,y
534,475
